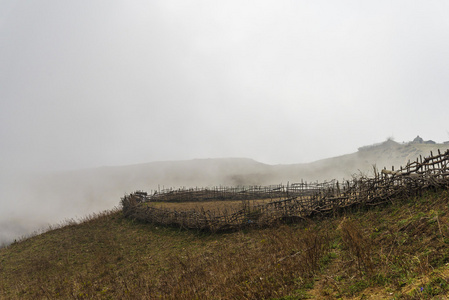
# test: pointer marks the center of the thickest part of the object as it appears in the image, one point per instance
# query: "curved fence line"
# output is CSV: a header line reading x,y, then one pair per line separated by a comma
x,y
292,201
237,193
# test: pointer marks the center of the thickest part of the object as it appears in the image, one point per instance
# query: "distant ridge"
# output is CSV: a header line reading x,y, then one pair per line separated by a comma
x,y
246,171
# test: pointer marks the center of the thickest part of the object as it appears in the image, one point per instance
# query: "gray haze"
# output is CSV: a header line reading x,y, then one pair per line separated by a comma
x,y
87,84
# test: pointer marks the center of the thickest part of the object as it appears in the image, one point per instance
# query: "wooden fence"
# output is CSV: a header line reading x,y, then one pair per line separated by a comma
x,y
237,193
292,201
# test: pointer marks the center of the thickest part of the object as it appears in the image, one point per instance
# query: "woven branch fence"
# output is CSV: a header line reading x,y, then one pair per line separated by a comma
x,y
237,193
290,202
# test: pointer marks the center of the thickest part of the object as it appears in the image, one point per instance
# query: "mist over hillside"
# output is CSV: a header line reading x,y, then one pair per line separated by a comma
x,y
37,200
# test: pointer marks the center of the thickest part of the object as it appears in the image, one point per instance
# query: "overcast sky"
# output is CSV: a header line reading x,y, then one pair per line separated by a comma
x,y
94,83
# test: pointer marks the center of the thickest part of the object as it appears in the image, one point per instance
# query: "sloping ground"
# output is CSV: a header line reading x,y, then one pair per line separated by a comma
x,y
54,197
386,154
398,251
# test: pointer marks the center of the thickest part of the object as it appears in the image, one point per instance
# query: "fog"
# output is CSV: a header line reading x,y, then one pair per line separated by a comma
x,y
87,85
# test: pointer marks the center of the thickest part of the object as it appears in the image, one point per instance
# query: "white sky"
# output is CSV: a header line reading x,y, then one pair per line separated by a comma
x,y
93,83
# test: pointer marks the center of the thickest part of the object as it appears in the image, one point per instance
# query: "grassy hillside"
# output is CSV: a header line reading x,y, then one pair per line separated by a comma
x,y
398,251
52,197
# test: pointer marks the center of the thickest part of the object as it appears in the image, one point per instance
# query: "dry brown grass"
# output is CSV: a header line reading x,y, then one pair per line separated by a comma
x,y
358,245
113,257
397,251
208,205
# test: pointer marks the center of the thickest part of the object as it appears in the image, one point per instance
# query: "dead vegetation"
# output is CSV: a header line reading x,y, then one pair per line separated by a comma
x,y
395,250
